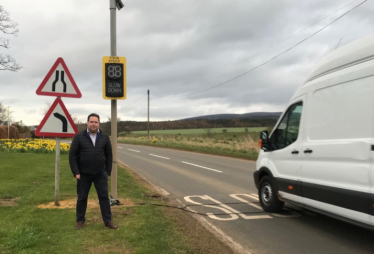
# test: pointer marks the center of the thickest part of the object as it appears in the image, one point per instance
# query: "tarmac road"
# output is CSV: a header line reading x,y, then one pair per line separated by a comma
x,y
222,191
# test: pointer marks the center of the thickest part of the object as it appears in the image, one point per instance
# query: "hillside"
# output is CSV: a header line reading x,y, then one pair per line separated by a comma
x,y
258,119
255,115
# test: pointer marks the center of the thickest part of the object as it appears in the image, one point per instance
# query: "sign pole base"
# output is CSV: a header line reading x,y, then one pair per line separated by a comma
x,y
57,171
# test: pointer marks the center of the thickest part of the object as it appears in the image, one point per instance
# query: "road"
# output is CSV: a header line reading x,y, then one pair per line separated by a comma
x,y
222,190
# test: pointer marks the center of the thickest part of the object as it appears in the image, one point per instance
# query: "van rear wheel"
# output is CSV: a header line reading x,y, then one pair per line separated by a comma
x,y
268,196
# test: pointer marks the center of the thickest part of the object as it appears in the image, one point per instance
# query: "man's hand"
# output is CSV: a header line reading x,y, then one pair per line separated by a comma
x,y
78,176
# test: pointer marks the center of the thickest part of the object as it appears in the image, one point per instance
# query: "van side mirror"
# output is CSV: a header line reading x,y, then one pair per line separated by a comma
x,y
264,141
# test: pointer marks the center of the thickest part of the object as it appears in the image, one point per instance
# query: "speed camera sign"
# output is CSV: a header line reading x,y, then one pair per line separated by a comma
x,y
114,77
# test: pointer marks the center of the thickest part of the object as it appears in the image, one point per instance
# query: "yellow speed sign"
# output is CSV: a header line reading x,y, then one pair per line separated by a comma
x,y
114,77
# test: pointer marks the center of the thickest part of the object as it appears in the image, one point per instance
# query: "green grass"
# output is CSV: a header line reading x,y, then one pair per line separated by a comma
x,y
198,131
228,150
233,143
25,228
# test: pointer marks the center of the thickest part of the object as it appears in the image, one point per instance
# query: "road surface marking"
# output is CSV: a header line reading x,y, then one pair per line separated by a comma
x,y
201,167
225,208
211,215
233,213
253,196
159,156
233,245
164,192
245,201
119,147
247,217
134,150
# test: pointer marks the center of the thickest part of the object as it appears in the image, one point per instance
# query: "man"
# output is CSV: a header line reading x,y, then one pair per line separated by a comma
x,y
90,159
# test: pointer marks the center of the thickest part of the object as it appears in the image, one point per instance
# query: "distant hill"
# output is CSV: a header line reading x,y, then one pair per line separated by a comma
x,y
255,115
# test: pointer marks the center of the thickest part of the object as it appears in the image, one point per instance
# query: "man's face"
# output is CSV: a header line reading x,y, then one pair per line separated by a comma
x,y
93,124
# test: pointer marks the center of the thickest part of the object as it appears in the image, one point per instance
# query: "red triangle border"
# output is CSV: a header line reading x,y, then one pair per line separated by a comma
x,y
46,117
48,76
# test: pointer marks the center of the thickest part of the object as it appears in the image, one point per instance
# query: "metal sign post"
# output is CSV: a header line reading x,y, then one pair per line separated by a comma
x,y
113,52
113,4
57,122
57,171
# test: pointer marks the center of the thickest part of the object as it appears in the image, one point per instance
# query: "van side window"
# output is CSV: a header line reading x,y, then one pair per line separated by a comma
x,y
288,129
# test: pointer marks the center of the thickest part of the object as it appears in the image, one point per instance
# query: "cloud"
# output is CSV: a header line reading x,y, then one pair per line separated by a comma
x,y
177,49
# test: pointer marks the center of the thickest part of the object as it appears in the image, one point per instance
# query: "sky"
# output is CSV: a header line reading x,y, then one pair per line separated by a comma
x,y
184,52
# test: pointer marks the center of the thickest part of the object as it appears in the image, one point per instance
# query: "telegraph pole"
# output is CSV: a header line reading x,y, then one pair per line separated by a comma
x,y
114,86
148,113
8,122
113,52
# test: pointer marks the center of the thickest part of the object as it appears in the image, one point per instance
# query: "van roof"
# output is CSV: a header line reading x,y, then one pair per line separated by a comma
x,y
353,53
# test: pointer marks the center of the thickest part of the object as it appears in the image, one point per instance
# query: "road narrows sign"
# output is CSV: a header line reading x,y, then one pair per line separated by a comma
x,y
57,122
59,82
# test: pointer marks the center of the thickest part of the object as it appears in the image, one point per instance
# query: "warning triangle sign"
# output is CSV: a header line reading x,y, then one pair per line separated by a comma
x,y
57,122
59,82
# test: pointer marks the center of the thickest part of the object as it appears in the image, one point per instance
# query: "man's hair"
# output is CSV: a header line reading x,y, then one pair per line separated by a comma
x,y
93,114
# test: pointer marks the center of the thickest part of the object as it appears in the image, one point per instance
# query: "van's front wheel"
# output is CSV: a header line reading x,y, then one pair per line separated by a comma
x,y
268,196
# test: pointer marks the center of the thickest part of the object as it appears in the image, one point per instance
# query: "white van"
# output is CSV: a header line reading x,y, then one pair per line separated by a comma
x,y
320,155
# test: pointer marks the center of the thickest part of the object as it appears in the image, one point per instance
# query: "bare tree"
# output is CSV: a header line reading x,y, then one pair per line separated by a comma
x,y
5,114
78,122
7,26
46,107
75,119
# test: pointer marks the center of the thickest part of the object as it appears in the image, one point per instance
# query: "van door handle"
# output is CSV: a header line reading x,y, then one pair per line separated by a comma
x,y
308,151
295,152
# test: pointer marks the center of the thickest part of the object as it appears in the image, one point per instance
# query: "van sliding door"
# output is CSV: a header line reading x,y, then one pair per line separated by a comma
x,y
336,170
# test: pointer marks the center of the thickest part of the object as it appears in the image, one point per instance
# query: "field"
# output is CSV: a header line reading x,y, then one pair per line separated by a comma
x,y
233,142
198,131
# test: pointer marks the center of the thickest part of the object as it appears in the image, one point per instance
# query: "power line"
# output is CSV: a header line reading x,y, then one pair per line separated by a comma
x,y
134,102
258,66
209,75
268,49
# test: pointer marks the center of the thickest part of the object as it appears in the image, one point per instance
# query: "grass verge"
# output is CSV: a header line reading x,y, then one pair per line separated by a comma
x,y
233,145
201,131
27,180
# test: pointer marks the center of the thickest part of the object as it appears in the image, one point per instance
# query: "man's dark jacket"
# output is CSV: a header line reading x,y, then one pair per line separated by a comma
x,y
86,158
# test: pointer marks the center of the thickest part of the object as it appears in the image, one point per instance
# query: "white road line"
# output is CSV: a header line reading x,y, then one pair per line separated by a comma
x,y
201,167
119,147
164,192
134,150
236,247
159,156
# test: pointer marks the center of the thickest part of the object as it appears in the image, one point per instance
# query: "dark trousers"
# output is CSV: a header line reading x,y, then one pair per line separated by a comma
x,y
83,188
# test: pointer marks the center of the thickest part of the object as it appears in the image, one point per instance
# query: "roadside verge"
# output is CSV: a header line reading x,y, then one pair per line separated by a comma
x,y
28,181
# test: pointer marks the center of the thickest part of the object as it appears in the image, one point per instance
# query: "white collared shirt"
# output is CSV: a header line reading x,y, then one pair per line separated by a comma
x,y
93,136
